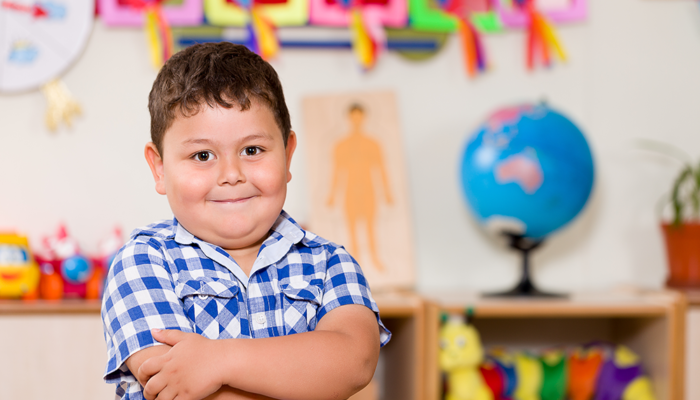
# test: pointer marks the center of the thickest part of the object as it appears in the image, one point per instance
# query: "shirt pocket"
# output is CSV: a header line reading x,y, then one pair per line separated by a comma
x,y
212,306
300,301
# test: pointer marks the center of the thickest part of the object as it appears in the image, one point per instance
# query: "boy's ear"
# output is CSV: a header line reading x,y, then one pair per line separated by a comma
x,y
291,146
155,162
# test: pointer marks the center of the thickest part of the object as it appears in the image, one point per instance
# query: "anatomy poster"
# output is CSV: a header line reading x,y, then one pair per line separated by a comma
x,y
358,186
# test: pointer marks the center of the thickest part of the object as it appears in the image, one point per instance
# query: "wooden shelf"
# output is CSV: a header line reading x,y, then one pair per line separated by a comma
x,y
651,323
66,306
605,304
402,371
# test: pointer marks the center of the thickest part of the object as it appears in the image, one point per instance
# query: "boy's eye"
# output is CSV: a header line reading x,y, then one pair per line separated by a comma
x,y
251,151
203,156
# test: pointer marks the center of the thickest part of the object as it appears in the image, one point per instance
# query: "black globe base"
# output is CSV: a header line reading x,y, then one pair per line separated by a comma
x,y
525,288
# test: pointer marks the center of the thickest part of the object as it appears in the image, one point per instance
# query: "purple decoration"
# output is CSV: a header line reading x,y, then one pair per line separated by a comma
x,y
613,380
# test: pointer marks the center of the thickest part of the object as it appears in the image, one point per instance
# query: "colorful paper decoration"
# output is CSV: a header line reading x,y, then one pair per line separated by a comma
x,y
366,19
541,36
261,17
426,15
515,17
279,12
128,13
467,17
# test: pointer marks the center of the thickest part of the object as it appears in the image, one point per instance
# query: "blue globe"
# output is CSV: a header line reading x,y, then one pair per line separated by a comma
x,y
527,170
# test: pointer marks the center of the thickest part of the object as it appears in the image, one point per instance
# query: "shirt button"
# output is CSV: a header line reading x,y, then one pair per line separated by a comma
x,y
260,319
203,296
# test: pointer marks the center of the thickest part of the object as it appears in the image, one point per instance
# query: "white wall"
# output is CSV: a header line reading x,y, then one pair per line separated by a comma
x,y
633,74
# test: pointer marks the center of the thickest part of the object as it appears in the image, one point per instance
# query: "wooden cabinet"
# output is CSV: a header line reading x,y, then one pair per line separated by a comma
x,y
52,351
404,365
56,350
651,323
692,345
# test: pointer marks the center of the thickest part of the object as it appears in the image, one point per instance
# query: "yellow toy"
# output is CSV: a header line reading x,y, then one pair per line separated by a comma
x,y
529,371
460,356
19,273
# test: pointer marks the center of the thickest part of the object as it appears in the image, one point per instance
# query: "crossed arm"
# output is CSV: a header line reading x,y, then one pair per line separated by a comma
x,y
332,362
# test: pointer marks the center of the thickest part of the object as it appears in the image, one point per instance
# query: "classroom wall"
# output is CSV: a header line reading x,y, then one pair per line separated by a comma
x,y
633,73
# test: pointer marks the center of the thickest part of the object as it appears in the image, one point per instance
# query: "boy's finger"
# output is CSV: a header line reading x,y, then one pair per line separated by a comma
x,y
151,367
154,387
168,336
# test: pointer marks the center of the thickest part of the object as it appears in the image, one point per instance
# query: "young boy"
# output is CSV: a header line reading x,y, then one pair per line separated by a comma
x,y
232,265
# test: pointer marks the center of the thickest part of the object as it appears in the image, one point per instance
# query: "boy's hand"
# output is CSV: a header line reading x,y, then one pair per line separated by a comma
x,y
187,371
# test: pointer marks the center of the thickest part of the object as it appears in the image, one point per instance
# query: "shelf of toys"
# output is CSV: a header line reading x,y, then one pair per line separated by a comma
x,y
646,328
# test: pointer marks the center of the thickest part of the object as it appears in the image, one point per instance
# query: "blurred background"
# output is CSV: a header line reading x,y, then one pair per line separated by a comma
x,y
632,73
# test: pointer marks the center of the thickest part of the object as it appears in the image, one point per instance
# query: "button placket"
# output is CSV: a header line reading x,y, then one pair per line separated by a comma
x,y
260,319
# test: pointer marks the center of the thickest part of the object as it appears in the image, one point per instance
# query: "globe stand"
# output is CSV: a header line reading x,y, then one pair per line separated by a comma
x,y
525,288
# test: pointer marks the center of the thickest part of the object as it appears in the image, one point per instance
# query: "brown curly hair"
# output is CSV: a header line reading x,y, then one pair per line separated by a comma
x,y
223,74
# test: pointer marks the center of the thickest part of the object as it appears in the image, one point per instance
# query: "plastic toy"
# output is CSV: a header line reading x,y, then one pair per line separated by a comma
x,y
553,375
493,377
65,272
584,365
622,377
19,273
529,377
506,365
459,357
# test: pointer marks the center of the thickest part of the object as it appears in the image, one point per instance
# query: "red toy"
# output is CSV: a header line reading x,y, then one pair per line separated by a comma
x,y
66,272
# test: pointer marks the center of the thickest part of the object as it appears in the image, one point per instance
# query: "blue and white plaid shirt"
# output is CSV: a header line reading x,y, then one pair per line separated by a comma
x,y
166,278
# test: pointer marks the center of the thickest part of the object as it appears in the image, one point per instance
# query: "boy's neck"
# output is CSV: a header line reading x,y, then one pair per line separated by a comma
x,y
245,257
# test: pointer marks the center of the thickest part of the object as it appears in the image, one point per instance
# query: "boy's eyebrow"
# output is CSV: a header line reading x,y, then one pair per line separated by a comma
x,y
250,137
197,141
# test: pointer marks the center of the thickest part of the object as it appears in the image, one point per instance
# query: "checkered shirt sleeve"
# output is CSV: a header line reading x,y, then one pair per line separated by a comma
x,y
139,296
346,284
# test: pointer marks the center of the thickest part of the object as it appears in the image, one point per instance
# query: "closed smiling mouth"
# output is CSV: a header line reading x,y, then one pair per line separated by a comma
x,y
232,201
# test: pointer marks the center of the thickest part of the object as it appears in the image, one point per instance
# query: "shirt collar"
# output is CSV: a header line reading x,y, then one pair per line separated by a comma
x,y
285,225
182,235
288,228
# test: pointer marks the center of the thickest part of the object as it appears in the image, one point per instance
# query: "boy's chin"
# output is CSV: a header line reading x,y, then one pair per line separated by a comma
x,y
236,240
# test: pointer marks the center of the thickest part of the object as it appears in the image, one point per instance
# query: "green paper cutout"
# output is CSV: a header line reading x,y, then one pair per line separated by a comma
x,y
425,15
487,22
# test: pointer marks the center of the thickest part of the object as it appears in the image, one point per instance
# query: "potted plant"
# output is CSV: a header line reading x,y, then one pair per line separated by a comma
x,y
682,232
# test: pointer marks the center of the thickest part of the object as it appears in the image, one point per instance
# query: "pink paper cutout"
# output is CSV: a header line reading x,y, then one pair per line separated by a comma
x,y
190,13
394,13
514,18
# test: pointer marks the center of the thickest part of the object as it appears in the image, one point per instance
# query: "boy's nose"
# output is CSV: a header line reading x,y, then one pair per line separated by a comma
x,y
230,173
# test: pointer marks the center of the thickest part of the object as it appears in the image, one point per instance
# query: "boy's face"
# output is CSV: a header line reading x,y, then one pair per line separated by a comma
x,y
225,173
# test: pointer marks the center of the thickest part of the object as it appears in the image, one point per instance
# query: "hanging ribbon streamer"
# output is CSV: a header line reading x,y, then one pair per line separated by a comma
x,y
472,47
263,35
474,57
541,37
158,33
62,107
368,36
364,45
